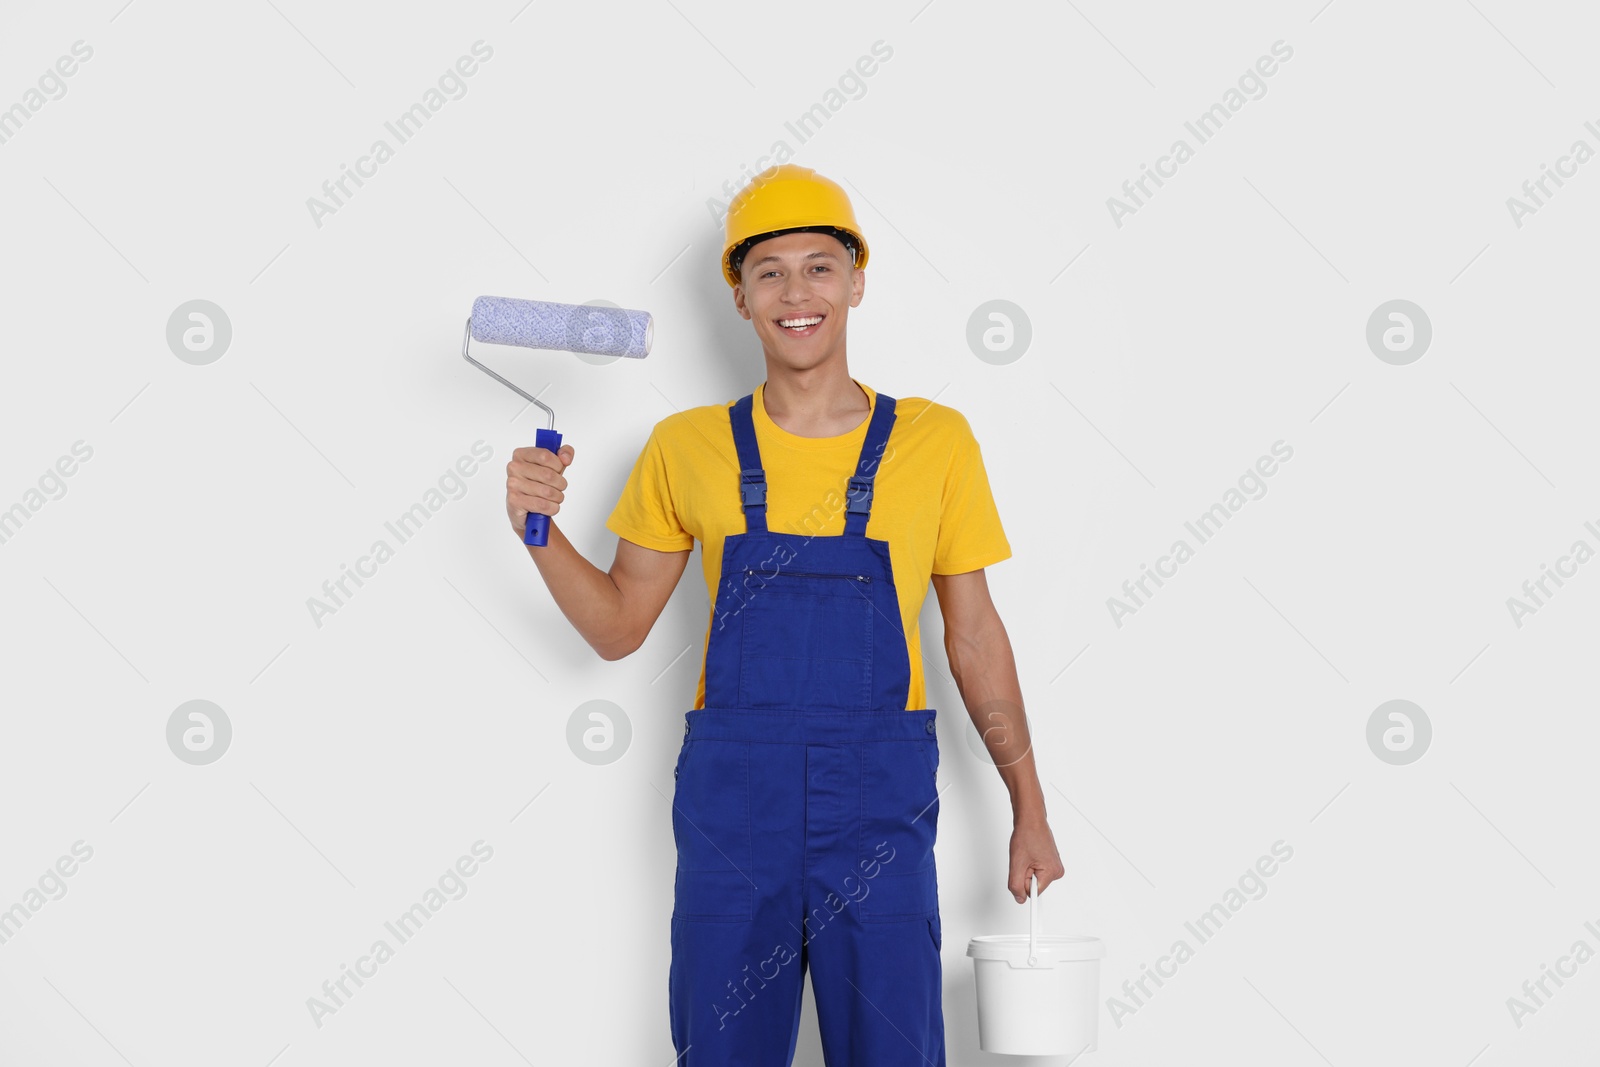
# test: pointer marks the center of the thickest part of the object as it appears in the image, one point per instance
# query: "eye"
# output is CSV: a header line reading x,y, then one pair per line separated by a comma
x,y
822,266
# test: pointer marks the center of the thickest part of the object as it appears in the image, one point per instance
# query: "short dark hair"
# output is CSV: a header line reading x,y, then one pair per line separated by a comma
x,y
736,259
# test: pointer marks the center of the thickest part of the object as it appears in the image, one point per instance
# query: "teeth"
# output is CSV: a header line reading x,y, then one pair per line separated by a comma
x,y
813,320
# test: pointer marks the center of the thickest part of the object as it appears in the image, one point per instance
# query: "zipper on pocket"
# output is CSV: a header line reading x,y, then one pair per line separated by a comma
x,y
803,574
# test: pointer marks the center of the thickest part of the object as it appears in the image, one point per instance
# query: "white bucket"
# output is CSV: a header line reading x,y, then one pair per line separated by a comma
x,y
1037,995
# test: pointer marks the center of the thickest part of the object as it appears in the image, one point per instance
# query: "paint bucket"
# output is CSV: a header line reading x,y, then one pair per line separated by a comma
x,y
1037,995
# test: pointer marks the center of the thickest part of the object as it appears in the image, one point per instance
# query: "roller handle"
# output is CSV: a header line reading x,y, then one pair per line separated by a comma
x,y
537,532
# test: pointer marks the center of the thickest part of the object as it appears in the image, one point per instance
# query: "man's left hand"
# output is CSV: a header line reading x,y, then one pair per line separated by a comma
x,y
1033,851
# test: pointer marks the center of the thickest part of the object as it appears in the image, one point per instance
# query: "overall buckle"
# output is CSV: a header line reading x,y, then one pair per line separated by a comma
x,y
860,495
753,487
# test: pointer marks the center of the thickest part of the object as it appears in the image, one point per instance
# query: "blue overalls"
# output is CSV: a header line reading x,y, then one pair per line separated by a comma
x,y
805,807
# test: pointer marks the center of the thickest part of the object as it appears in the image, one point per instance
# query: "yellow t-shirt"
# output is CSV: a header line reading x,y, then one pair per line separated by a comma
x,y
931,499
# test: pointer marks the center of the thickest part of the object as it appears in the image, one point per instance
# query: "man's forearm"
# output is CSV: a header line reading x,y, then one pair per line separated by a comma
x,y
986,676
586,595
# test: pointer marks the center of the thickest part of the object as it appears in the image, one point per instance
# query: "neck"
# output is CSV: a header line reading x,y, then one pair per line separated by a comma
x,y
819,401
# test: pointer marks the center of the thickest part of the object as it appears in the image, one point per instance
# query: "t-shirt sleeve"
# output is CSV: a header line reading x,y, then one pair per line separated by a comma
x,y
645,513
970,534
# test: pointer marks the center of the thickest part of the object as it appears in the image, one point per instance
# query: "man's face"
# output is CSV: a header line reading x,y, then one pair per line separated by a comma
x,y
798,278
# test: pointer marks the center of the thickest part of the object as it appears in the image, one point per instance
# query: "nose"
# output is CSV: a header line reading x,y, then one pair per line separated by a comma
x,y
793,288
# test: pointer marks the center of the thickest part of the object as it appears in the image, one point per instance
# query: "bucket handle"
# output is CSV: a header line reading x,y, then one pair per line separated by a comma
x,y
1034,930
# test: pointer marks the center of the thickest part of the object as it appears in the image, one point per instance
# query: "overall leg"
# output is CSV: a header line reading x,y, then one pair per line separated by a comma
x,y
872,902
737,965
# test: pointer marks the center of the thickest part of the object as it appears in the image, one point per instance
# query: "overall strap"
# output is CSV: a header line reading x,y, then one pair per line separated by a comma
x,y
859,493
752,479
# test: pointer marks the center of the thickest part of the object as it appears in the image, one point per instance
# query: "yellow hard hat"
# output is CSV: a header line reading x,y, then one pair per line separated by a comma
x,y
785,198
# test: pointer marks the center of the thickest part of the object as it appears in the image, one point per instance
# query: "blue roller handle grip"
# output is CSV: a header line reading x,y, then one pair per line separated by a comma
x,y
537,531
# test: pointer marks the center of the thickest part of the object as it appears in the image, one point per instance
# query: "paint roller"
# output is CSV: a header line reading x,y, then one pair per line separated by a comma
x,y
589,328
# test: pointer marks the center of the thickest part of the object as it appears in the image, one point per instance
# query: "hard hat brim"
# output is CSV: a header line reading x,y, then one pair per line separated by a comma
x,y
733,260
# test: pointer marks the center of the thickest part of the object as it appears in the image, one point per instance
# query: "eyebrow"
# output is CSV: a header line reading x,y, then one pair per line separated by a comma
x,y
773,258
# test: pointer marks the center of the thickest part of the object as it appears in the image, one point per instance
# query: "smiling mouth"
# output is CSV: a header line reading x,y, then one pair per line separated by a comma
x,y
801,325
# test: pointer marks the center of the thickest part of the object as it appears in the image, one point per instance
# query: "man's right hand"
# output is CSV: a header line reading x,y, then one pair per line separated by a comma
x,y
615,610
535,482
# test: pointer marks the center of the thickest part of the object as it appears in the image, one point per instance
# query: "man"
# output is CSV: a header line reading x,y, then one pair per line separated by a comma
x,y
805,807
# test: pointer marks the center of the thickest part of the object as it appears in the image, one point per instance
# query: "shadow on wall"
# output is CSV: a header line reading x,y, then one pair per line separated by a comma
x,y
732,365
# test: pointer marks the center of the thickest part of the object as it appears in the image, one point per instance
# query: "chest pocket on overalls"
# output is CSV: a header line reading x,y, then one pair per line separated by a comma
x,y
807,641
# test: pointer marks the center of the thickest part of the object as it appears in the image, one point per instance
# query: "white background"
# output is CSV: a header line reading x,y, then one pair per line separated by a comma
x,y
1167,354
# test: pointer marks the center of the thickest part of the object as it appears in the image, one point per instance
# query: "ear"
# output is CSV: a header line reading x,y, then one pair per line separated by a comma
x,y
858,286
738,301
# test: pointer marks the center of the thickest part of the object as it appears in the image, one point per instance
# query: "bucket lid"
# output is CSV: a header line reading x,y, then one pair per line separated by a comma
x,y
1035,945
1014,947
